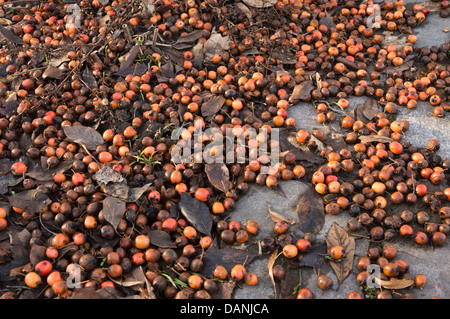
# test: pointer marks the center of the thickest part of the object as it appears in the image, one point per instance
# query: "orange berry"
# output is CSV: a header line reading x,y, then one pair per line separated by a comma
x,y
142,242
32,279
337,252
60,240
202,194
43,268
251,279
18,168
53,277
290,251
238,272
190,233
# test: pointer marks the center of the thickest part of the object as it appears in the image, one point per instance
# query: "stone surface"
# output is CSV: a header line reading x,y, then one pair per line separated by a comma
x,y
430,261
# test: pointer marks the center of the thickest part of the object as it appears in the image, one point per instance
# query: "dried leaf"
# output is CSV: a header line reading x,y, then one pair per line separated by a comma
x,y
52,72
129,57
9,35
119,190
290,282
89,79
219,176
273,257
136,69
85,293
37,253
196,213
349,64
161,239
337,236
286,144
327,20
278,217
84,135
60,59
370,109
190,37
32,200
165,72
302,92
225,290
8,180
394,284
107,175
43,174
212,105
314,258
245,10
198,52
4,21
216,44
366,139
5,165
227,257
135,193
310,211
260,3
113,210
406,65
20,247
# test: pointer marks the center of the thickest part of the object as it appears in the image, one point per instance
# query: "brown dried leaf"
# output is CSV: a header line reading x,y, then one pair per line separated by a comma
x,y
348,63
212,105
52,72
196,213
85,293
89,79
288,143
370,109
113,210
160,238
314,258
119,190
327,20
32,200
84,135
215,44
107,175
129,57
278,217
227,257
310,211
37,253
19,240
394,284
245,10
366,139
8,35
337,236
43,174
8,180
302,92
290,282
219,176
190,37
135,193
270,265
